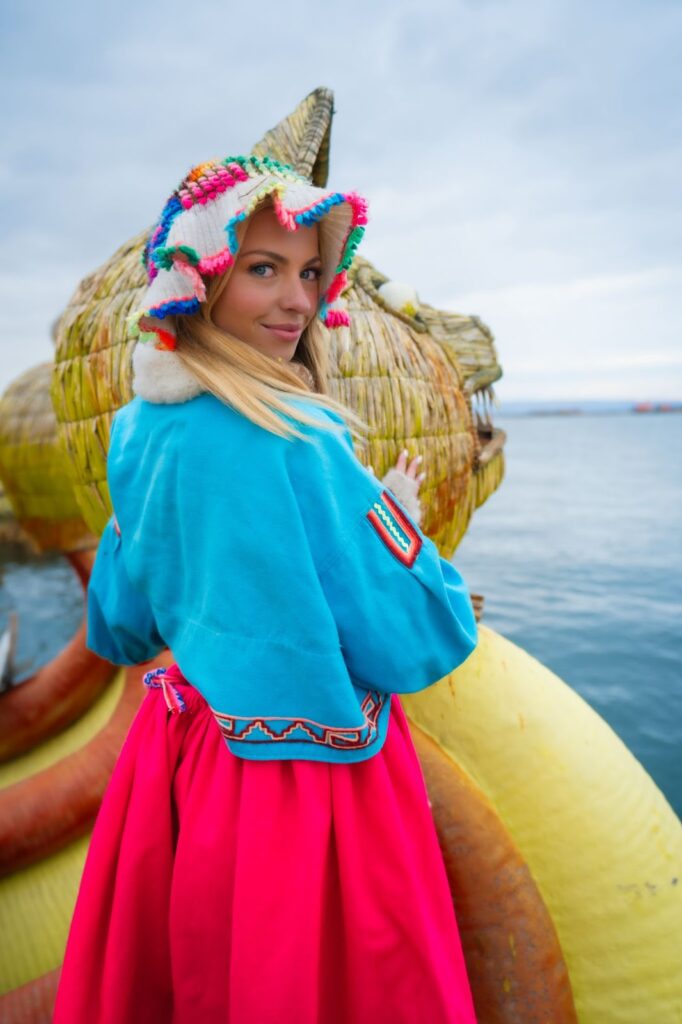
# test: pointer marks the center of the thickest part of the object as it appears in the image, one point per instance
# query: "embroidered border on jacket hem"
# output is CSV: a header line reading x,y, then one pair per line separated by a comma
x,y
305,730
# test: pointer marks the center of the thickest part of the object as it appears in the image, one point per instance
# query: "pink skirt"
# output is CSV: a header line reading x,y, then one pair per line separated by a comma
x,y
218,889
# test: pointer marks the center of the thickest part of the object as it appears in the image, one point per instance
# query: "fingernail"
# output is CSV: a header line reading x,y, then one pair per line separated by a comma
x,y
419,458
405,451
422,476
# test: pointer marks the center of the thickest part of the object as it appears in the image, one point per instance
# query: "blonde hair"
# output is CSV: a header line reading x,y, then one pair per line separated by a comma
x,y
253,383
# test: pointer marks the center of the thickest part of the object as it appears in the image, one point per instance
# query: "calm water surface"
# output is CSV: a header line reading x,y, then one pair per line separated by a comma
x,y
579,558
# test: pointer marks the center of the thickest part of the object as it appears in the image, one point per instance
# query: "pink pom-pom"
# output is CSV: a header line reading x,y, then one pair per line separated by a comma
x,y
359,209
337,318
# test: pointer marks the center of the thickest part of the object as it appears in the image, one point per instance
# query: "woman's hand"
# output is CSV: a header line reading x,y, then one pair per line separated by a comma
x,y
409,470
404,481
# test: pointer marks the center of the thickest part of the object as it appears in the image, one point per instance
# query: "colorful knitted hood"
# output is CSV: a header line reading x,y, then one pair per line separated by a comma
x,y
196,236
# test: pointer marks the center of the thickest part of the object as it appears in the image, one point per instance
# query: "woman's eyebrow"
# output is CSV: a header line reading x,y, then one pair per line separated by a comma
x,y
277,257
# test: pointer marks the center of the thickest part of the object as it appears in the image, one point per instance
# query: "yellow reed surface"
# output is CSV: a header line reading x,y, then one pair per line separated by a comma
x,y
36,905
601,841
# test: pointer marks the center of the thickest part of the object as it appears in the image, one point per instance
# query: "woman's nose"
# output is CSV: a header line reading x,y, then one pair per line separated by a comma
x,y
299,295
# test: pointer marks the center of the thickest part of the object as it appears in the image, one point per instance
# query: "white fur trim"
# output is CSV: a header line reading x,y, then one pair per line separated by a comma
x,y
405,488
159,376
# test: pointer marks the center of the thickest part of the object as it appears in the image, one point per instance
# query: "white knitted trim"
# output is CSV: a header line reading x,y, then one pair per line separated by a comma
x,y
405,488
159,376
203,228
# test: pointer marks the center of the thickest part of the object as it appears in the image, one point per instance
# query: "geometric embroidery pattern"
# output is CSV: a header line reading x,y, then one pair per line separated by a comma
x,y
395,529
305,730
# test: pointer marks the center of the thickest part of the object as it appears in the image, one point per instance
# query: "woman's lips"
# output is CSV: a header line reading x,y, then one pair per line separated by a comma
x,y
284,332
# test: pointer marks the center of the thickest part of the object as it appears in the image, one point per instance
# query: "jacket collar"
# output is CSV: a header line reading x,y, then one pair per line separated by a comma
x,y
159,376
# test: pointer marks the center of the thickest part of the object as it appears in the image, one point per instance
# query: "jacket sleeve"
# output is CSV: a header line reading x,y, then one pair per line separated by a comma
x,y
121,625
403,614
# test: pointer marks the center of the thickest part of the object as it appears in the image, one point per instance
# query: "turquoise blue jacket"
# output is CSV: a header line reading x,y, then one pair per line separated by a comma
x,y
292,587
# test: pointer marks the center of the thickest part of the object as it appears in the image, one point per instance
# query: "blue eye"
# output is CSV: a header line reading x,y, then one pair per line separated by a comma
x,y
313,270
256,269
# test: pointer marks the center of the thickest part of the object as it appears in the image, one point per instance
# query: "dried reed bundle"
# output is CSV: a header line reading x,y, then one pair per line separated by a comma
x,y
92,375
34,468
403,373
302,139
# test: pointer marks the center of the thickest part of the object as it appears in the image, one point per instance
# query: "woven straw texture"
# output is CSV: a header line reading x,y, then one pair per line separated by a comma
x,y
36,473
411,378
410,389
303,138
92,374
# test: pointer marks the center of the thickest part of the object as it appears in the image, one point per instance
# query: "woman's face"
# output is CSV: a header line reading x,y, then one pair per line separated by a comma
x,y
273,290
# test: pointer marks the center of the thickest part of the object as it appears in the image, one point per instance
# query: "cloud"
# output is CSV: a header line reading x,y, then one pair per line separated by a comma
x,y
520,158
611,335
580,290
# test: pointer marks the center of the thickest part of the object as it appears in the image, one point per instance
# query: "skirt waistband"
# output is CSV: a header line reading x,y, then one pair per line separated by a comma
x,y
181,696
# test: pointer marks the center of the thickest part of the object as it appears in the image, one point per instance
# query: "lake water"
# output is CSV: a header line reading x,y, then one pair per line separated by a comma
x,y
578,556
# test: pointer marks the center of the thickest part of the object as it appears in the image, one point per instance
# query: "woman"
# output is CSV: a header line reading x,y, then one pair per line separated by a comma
x,y
265,850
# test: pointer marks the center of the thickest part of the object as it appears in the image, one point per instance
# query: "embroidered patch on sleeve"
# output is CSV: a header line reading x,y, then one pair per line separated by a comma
x,y
397,532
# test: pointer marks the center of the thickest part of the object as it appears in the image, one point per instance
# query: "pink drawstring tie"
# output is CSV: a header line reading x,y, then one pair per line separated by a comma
x,y
160,679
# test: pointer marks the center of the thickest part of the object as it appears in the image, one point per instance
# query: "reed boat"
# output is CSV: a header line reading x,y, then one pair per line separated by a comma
x,y
564,858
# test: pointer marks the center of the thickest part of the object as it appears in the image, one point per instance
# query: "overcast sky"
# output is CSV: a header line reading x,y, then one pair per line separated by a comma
x,y
523,159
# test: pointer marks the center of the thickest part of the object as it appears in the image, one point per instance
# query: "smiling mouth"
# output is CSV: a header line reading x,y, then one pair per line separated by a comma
x,y
286,331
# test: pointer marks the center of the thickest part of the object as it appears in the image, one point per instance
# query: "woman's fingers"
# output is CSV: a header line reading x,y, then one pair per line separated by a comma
x,y
411,468
408,466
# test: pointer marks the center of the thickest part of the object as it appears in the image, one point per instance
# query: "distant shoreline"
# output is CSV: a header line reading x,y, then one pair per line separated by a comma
x,y
587,408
